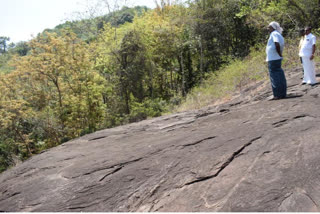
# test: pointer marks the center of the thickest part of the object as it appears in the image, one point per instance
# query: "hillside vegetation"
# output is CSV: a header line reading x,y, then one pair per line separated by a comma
x,y
133,64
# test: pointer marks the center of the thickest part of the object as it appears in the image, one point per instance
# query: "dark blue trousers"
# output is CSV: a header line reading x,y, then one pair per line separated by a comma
x,y
277,78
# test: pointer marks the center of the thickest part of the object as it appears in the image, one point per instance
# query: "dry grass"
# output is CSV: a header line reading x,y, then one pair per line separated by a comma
x,y
236,77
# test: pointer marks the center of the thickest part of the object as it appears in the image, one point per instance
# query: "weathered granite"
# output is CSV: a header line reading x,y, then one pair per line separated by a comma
x,y
250,154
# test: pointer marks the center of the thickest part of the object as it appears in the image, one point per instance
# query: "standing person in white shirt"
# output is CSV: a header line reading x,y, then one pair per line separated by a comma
x,y
274,51
307,51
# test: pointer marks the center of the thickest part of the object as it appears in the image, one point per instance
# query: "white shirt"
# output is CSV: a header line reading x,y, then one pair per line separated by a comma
x,y
308,42
271,50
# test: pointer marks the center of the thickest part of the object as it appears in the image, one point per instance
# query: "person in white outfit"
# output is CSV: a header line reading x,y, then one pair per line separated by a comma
x,y
307,50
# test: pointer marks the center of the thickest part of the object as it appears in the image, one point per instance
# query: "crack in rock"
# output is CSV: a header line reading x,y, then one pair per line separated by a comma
x,y
225,164
12,195
301,116
205,114
75,208
198,142
116,165
285,197
111,173
236,103
97,138
279,123
121,165
313,201
224,110
70,158
286,121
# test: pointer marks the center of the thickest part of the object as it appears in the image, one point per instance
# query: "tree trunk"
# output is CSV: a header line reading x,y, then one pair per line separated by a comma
x,y
60,103
201,59
183,90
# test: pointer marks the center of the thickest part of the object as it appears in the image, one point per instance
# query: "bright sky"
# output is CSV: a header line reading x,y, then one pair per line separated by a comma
x,y
19,19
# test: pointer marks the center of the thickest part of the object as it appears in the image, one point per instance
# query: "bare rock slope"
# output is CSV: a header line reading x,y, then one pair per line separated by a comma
x,y
250,154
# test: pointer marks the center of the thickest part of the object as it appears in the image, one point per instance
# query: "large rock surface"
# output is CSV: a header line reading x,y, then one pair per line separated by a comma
x,y
250,154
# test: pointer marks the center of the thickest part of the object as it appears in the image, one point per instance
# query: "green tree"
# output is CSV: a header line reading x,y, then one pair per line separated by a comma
x,y
291,14
4,44
21,48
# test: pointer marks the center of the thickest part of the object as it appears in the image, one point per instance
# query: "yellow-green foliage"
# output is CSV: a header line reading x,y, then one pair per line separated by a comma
x,y
225,82
53,95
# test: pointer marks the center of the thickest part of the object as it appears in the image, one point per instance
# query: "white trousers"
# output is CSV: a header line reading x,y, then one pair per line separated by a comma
x,y
309,68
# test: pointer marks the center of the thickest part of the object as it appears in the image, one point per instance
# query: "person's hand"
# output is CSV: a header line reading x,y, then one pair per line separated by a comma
x,y
312,56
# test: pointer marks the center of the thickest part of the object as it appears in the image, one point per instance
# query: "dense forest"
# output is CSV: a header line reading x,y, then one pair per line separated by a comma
x,y
126,66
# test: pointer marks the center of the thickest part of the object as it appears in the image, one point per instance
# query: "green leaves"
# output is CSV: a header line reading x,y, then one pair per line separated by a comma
x,y
53,94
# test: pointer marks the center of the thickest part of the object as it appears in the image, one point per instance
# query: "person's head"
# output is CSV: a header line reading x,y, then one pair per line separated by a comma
x,y
275,26
302,32
270,28
307,30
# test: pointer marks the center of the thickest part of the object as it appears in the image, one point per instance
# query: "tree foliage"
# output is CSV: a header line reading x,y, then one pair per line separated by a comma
x,y
52,96
4,44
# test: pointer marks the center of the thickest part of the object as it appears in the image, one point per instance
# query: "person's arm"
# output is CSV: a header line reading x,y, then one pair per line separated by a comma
x,y
278,48
313,51
313,47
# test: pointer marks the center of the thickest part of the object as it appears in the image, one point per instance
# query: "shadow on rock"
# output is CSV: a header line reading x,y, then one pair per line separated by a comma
x,y
291,96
